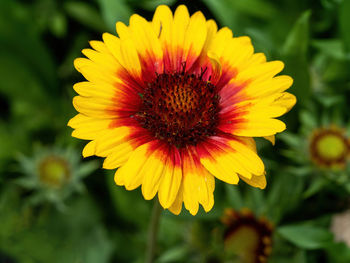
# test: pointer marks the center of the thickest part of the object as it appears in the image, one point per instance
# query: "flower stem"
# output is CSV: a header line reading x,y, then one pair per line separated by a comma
x,y
153,231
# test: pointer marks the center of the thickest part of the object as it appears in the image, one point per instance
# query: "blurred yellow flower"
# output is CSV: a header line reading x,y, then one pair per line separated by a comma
x,y
176,102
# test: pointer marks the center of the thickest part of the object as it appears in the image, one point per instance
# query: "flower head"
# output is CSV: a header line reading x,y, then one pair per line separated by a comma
x,y
246,236
53,174
329,147
174,103
54,171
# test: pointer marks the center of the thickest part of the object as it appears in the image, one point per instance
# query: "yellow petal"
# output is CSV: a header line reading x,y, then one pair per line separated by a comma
x,y
99,46
93,73
206,197
227,158
194,38
219,164
220,41
238,51
170,183
104,60
87,128
181,20
113,44
96,108
88,89
198,185
286,100
260,72
122,30
256,181
130,57
216,65
118,155
89,149
212,29
259,128
162,23
254,60
119,178
153,171
271,139
271,86
110,139
146,40
248,158
130,172
176,207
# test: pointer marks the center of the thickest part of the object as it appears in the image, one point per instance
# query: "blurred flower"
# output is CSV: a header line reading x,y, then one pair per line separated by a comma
x,y
53,174
329,147
246,236
321,149
54,171
176,102
340,227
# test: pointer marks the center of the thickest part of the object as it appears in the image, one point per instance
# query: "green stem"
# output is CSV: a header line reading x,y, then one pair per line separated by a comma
x,y
153,232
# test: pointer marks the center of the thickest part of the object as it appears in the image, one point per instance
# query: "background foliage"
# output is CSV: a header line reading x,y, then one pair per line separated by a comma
x,y
100,222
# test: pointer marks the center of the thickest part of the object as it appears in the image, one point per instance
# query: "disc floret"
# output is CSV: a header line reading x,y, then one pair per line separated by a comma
x,y
180,108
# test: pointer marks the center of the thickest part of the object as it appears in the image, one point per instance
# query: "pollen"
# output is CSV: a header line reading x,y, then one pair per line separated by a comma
x,y
180,108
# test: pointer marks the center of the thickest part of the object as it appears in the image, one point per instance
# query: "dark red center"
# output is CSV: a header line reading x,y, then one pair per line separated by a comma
x,y
180,108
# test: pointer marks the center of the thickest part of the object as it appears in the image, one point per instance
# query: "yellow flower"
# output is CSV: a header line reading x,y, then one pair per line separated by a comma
x,y
174,103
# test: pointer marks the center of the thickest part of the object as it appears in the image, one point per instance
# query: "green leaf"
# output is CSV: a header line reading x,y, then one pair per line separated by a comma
x,y
20,39
226,10
223,11
85,14
175,254
255,200
316,186
87,168
34,235
308,119
256,8
122,199
234,196
338,253
282,197
330,101
291,139
344,23
298,38
58,25
151,5
114,11
300,170
306,236
295,57
300,257
333,48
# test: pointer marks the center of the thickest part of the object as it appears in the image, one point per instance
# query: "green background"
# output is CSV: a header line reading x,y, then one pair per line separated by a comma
x,y
39,39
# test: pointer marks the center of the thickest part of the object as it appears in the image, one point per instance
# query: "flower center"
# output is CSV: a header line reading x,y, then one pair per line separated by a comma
x,y
54,171
328,147
180,108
